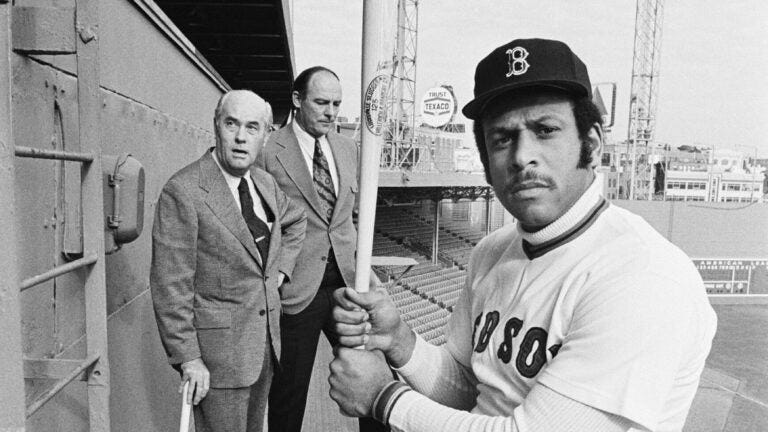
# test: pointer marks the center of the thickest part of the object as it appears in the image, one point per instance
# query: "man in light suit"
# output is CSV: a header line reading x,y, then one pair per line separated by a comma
x,y
224,239
316,167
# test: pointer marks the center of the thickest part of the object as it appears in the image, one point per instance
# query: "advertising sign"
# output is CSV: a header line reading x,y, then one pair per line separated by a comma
x,y
438,107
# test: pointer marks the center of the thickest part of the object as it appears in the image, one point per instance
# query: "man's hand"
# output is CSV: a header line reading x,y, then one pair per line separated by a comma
x,y
357,377
280,279
371,319
199,379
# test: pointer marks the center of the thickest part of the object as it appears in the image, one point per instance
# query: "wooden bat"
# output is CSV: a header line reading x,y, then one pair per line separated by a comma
x,y
186,409
373,104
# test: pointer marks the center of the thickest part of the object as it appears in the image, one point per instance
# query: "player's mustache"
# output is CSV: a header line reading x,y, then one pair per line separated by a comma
x,y
528,177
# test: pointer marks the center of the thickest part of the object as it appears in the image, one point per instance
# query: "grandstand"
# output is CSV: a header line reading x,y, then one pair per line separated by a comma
x,y
427,292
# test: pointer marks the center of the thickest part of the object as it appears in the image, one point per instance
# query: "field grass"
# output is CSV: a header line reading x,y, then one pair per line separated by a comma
x,y
733,394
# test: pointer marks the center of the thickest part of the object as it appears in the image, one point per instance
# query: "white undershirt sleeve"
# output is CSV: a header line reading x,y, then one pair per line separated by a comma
x,y
432,371
543,410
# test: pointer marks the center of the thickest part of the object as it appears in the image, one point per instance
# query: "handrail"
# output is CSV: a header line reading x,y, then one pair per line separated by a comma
x,y
58,271
90,360
31,152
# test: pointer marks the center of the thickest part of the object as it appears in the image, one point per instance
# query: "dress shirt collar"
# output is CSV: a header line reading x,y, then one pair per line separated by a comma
x,y
306,141
232,181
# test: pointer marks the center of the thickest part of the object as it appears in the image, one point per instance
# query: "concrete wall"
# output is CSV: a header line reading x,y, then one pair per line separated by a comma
x,y
708,230
158,106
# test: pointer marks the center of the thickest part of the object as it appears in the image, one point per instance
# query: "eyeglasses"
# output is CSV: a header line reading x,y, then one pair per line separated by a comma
x,y
233,126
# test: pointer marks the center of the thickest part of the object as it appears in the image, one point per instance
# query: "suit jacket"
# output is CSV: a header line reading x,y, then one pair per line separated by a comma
x,y
213,297
282,158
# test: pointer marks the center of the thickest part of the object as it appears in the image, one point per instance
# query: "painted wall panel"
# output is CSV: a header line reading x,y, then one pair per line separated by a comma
x,y
141,63
157,107
138,61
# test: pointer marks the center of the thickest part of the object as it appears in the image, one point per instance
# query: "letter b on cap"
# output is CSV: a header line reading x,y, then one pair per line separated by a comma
x,y
516,60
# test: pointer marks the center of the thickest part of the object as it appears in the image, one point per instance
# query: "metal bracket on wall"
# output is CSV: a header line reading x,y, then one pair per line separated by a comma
x,y
43,30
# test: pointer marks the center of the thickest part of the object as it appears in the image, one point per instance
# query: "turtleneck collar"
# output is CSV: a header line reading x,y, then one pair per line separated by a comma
x,y
567,227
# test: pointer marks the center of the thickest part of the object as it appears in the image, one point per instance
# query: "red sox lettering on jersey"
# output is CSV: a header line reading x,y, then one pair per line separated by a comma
x,y
531,348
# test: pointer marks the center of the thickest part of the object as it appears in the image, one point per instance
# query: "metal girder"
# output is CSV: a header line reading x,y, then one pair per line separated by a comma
x,y
234,34
219,4
90,130
39,153
58,271
12,414
390,196
45,368
75,371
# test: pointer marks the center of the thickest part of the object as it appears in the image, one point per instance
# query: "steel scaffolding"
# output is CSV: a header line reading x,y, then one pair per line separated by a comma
x,y
644,95
399,137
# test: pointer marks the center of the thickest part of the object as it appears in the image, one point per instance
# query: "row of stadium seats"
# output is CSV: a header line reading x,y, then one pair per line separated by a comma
x,y
415,233
400,223
427,293
423,316
458,229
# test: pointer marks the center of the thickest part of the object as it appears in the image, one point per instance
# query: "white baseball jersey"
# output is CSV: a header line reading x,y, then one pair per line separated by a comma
x,y
596,306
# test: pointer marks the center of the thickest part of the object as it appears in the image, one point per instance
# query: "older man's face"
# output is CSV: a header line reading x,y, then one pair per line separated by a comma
x,y
241,130
319,107
533,151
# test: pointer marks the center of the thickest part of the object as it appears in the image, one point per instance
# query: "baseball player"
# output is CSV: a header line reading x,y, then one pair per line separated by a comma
x,y
579,317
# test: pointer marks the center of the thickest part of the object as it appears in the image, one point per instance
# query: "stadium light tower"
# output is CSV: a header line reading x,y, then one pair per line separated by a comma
x,y
399,133
644,94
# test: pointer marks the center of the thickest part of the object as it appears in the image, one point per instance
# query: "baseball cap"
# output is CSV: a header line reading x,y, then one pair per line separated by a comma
x,y
527,63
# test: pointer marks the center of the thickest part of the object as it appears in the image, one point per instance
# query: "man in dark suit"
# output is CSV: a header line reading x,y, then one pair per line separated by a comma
x,y
317,167
224,239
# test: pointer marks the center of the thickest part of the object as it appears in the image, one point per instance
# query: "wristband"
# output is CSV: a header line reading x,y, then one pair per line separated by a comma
x,y
386,399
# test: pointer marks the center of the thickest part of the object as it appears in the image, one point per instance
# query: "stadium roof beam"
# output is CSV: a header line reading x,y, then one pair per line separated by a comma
x,y
248,43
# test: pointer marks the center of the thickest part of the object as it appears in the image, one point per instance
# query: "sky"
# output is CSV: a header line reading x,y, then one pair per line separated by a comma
x,y
713,84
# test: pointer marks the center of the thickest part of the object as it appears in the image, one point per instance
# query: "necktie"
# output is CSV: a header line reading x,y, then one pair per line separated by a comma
x,y
256,226
321,176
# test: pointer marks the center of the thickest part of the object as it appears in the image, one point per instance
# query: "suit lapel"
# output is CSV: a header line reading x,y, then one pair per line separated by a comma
x,y
221,202
267,192
345,168
293,162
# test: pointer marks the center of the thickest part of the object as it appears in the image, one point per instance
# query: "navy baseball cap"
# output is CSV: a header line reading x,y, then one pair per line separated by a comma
x,y
525,63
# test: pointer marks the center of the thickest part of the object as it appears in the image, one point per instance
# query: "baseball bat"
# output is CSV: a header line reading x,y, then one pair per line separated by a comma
x,y
373,107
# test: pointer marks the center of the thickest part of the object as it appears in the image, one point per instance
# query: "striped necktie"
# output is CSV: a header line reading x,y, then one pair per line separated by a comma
x,y
259,230
321,176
